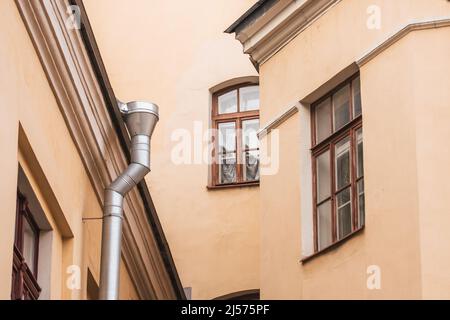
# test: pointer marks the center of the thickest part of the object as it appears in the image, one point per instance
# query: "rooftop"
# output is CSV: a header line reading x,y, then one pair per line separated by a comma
x,y
256,11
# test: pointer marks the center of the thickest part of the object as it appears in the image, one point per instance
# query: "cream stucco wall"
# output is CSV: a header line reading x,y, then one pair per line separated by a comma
x,y
432,109
405,114
172,53
48,155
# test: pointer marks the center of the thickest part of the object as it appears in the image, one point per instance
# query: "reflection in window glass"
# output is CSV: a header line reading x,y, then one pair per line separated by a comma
x,y
250,145
338,163
228,102
342,163
344,213
249,98
250,134
29,244
361,211
359,154
323,176
356,84
324,225
323,120
227,137
24,285
251,165
341,103
227,152
227,168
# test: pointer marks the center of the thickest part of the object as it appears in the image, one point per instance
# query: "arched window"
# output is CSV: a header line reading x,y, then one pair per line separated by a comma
x,y
235,118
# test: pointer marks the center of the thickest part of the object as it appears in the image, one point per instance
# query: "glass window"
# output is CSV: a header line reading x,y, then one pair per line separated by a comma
x,y
227,137
29,244
344,213
251,165
323,176
339,169
227,167
342,155
238,157
249,98
227,152
323,120
24,284
228,102
341,105
359,154
250,134
250,145
360,176
356,87
361,203
324,225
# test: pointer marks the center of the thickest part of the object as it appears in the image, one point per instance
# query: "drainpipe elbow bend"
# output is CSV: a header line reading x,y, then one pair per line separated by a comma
x,y
140,118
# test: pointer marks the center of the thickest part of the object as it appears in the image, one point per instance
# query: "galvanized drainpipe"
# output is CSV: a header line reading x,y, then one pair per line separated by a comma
x,y
140,118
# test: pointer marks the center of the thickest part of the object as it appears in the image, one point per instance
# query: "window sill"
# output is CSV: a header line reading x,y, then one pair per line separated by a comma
x,y
231,186
332,246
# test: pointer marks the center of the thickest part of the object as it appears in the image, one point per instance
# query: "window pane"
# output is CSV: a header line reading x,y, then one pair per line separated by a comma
x,y
227,168
251,165
228,102
249,134
249,98
361,203
356,84
29,244
344,213
342,155
341,105
227,137
324,225
359,153
323,120
323,176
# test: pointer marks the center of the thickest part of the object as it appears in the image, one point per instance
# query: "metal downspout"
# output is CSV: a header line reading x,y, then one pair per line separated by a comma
x,y
140,119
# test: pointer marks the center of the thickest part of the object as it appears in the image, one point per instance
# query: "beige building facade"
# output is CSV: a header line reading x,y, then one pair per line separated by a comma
x,y
396,245
62,145
313,166
77,58
176,54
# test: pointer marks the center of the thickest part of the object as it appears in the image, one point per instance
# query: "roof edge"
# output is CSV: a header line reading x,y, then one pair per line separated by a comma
x,y
255,11
94,54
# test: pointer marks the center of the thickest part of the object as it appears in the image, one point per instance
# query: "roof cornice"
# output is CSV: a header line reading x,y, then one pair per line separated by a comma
x,y
402,32
399,34
264,37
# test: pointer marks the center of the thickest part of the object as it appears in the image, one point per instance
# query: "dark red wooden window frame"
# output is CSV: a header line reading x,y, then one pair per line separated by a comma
x,y
328,144
236,117
24,280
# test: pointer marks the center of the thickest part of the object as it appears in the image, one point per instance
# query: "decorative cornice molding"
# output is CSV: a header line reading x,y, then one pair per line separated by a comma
x,y
251,28
71,76
371,54
277,121
400,34
268,38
